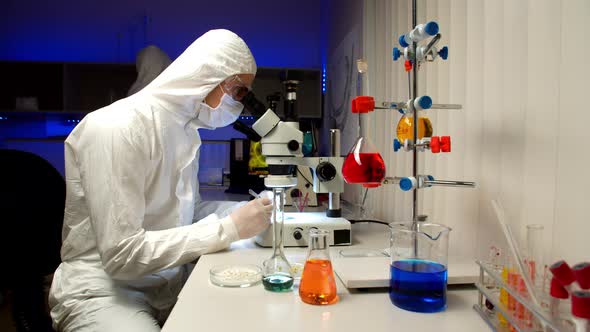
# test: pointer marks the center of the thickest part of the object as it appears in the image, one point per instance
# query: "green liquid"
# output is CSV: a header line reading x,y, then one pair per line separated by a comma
x,y
278,283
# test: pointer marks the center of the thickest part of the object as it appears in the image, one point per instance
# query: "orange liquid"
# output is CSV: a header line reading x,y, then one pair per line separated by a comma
x,y
503,296
405,128
520,309
317,285
513,283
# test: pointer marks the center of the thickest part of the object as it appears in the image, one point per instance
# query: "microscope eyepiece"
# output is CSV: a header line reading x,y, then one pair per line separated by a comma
x,y
253,105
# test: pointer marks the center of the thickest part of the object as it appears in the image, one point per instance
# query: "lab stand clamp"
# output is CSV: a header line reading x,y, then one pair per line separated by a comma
x,y
414,130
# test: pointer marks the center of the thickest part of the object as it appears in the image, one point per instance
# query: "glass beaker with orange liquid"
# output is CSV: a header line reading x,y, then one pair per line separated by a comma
x,y
318,285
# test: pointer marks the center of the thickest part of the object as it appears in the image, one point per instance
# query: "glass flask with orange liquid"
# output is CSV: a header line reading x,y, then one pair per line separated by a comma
x,y
363,164
318,285
405,127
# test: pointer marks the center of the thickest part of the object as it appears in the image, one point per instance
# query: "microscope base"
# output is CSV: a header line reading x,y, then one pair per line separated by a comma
x,y
299,223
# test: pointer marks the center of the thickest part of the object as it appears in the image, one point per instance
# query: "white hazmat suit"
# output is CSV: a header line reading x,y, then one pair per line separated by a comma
x,y
132,197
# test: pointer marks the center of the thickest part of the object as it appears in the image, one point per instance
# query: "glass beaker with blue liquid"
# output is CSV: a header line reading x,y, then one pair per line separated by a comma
x,y
418,271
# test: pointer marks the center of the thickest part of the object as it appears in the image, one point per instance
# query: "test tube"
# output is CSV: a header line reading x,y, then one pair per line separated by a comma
x,y
513,284
559,295
504,295
524,316
520,308
534,236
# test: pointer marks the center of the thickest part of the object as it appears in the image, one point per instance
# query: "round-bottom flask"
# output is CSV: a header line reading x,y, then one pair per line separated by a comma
x,y
364,165
405,127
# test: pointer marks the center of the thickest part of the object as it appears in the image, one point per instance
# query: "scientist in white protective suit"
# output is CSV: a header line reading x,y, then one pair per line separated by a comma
x,y
133,217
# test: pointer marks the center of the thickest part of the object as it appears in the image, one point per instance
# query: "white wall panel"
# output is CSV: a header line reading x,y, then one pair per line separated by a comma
x,y
520,70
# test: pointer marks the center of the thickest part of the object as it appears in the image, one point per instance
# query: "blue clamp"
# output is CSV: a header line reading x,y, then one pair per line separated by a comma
x,y
402,41
431,28
396,53
396,145
406,184
444,53
425,102
428,178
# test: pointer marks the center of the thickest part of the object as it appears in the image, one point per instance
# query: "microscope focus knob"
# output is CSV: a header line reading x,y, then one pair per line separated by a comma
x,y
326,171
297,234
293,145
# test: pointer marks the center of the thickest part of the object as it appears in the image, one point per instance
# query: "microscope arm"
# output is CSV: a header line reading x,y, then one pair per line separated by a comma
x,y
327,171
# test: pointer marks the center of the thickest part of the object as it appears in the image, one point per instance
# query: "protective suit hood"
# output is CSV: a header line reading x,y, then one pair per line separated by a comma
x,y
151,61
209,60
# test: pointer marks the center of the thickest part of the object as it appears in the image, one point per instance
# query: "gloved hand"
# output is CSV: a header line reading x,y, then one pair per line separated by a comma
x,y
252,218
266,194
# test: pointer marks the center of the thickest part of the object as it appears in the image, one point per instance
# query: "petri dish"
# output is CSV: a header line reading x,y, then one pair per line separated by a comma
x,y
235,275
362,253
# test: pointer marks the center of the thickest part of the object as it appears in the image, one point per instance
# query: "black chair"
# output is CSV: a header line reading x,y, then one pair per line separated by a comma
x,y
32,200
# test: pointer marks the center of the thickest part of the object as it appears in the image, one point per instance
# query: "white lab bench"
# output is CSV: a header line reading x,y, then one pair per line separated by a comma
x,y
203,306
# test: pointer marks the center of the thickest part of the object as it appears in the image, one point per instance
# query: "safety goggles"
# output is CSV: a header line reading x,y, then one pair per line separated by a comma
x,y
234,87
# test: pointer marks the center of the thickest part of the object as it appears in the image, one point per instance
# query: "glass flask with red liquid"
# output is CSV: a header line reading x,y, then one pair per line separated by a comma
x,y
363,164
318,285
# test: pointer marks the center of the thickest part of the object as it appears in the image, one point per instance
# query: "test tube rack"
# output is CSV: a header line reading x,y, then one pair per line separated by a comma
x,y
489,285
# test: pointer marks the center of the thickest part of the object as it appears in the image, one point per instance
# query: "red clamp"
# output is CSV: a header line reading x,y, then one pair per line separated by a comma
x,y
363,104
581,304
563,273
557,290
440,144
408,65
582,273
434,144
445,143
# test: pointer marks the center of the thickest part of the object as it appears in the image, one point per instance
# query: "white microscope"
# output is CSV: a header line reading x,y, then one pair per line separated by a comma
x,y
282,143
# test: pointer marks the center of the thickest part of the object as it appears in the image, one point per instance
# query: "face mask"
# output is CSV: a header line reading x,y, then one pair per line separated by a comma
x,y
227,112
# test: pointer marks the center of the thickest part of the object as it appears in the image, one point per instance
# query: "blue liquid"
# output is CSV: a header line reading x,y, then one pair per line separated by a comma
x,y
418,285
278,283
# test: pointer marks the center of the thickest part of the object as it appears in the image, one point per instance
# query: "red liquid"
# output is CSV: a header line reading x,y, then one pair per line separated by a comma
x,y
367,169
